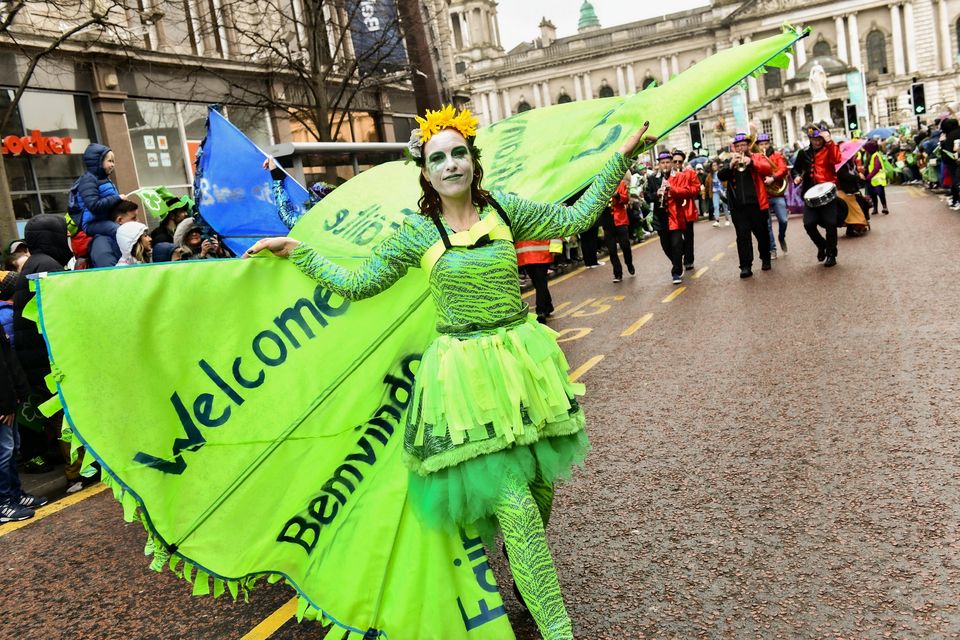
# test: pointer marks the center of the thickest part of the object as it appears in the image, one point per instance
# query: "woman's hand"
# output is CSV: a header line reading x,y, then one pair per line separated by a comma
x,y
280,247
269,164
632,146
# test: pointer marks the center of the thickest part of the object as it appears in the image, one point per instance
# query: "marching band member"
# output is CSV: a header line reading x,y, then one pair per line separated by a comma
x,y
666,191
747,197
776,186
816,164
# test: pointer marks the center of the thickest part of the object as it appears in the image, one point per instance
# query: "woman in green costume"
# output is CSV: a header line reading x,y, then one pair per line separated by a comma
x,y
494,421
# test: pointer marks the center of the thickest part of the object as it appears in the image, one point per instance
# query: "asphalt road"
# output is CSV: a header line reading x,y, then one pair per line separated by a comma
x,y
773,458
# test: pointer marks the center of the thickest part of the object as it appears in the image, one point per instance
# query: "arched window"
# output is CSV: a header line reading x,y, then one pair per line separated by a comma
x,y
822,48
876,52
564,98
649,80
523,106
606,91
771,79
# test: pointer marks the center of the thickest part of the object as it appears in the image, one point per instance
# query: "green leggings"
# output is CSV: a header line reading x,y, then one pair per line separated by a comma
x,y
522,512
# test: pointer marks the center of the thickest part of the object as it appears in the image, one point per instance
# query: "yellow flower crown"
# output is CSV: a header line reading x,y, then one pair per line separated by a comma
x,y
447,118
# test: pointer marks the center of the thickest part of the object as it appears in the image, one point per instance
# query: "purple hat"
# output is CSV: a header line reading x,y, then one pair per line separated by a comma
x,y
664,155
740,136
763,137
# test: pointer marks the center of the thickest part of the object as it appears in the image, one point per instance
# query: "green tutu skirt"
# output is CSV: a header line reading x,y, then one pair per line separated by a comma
x,y
490,404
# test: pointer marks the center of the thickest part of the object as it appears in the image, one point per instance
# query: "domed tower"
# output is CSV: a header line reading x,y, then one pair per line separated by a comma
x,y
588,18
476,32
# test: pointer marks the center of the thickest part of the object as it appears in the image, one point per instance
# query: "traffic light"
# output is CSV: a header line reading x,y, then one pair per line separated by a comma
x,y
853,121
696,135
918,99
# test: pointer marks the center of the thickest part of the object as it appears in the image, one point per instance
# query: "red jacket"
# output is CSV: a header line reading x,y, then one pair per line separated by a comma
x,y
618,205
759,169
684,192
825,162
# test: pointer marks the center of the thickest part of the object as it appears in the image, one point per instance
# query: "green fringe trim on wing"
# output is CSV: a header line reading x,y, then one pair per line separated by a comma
x,y
204,583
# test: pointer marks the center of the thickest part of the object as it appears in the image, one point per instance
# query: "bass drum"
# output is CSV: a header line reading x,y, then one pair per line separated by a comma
x,y
820,195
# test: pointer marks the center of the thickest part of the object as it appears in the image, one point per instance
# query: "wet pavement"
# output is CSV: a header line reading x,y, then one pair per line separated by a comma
x,y
775,457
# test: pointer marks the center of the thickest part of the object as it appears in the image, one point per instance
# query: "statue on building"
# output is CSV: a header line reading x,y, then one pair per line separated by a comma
x,y
818,83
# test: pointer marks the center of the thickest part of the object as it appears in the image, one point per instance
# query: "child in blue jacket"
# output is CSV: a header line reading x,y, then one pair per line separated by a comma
x,y
96,193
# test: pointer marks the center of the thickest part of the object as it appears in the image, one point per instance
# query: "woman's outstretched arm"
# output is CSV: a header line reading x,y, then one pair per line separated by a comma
x,y
531,220
388,262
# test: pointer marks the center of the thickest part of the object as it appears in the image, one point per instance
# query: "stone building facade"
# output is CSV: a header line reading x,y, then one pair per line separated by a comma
x,y
141,85
888,44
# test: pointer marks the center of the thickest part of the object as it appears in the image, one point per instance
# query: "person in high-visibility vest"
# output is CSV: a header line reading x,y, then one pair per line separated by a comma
x,y
876,177
536,258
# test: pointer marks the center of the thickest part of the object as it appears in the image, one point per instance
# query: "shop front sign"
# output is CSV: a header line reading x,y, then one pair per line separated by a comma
x,y
36,144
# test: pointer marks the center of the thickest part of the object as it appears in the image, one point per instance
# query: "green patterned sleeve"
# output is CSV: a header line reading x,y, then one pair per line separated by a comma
x,y
388,262
543,221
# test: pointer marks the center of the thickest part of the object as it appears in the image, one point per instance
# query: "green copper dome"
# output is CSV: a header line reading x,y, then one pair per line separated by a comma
x,y
588,17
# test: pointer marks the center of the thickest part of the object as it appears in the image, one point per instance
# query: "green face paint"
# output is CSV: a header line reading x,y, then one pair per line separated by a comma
x,y
449,164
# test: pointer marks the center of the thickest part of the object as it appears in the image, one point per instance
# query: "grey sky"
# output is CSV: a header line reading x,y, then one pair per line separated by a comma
x,y
519,18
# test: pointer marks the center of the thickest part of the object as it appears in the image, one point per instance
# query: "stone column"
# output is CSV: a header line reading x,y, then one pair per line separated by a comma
x,y
507,107
801,52
896,34
777,129
537,102
621,82
465,29
910,34
675,65
545,91
791,68
946,46
855,58
791,131
664,71
631,79
577,91
841,38
587,87
485,107
112,122
494,101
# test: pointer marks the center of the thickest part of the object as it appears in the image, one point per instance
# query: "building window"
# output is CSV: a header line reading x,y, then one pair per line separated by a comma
x,y
822,48
39,182
649,80
766,126
606,91
807,113
876,52
563,98
457,35
893,112
784,132
523,106
771,79
158,147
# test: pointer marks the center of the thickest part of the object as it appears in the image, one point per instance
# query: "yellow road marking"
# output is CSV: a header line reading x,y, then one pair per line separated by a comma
x,y
732,245
717,257
273,622
586,366
53,508
567,335
700,272
674,294
636,325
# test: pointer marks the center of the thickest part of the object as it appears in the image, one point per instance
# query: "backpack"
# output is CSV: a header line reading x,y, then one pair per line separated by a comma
x,y
74,208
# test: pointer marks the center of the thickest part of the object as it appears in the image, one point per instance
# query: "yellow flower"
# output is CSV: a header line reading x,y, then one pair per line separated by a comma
x,y
447,118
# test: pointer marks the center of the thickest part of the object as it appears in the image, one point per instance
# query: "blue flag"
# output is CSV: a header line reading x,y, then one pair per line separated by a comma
x,y
233,190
